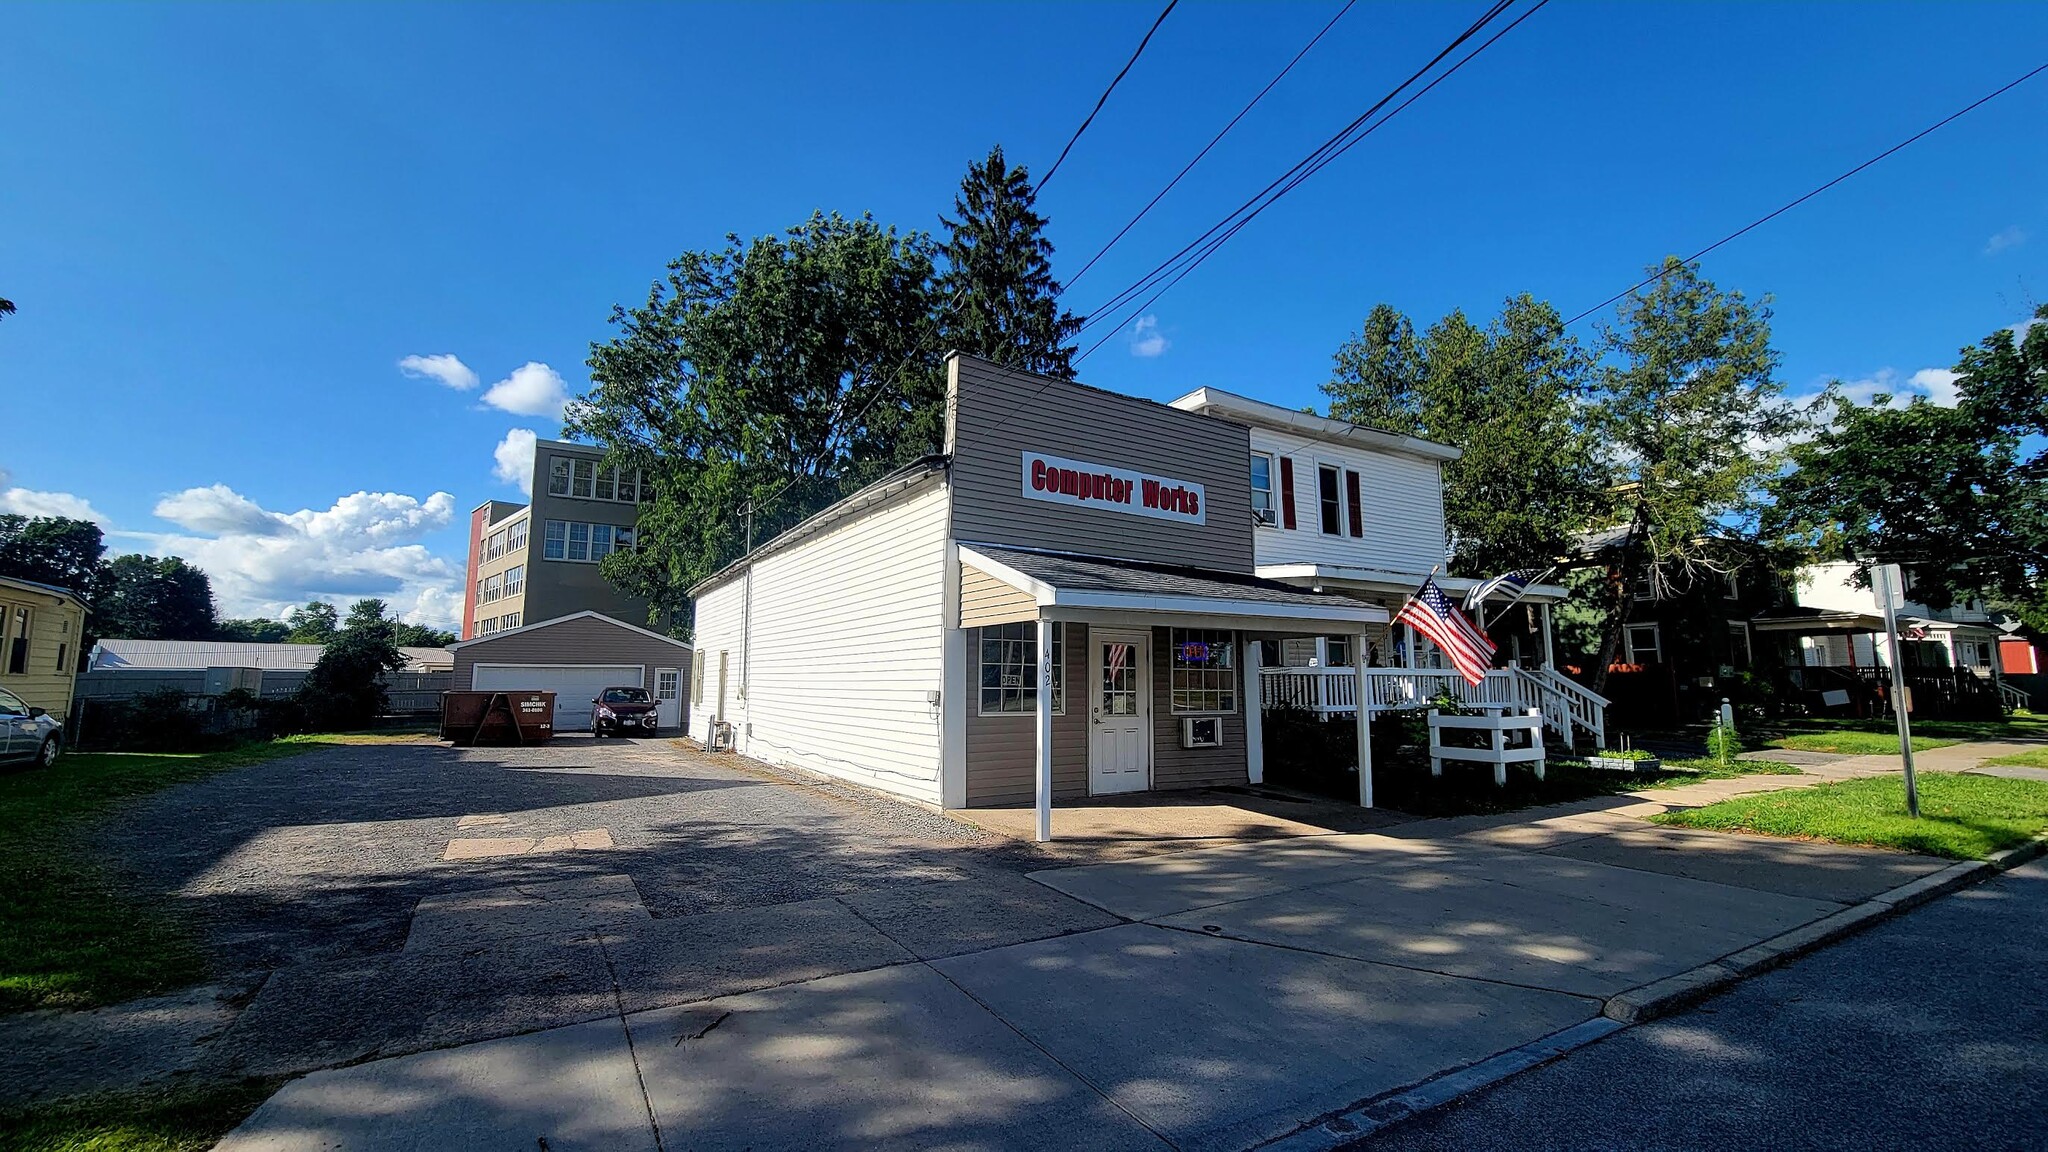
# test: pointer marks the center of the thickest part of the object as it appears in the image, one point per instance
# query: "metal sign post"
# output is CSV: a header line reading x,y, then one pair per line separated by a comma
x,y
1891,590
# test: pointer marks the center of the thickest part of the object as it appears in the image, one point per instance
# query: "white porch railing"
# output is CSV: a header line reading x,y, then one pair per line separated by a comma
x,y
1566,706
2014,699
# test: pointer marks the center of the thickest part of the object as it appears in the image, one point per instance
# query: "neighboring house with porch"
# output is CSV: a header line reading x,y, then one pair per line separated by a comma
x,y
895,638
40,628
1834,652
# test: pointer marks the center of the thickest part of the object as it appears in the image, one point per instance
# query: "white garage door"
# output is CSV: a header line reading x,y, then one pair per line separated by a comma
x,y
574,685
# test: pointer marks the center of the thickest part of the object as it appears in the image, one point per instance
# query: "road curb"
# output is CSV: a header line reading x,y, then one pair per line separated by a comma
x,y
1663,997
1345,1128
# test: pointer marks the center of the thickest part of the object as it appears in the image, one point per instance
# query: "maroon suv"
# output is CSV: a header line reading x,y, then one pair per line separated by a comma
x,y
623,712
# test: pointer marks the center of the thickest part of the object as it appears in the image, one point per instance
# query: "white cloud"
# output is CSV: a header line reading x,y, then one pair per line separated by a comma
x,y
2006,238
533,389
1937,384
28,502
513,459
445,367
1146,339
264,562
218,509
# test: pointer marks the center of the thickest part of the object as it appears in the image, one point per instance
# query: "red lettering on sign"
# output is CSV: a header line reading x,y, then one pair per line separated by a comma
x,y
1038,475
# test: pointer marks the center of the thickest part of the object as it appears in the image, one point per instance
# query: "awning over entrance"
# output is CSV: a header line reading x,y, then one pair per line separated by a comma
x,y
1022,584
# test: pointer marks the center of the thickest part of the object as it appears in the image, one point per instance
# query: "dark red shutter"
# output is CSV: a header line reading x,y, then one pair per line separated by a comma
x,y
1287,491
1357,516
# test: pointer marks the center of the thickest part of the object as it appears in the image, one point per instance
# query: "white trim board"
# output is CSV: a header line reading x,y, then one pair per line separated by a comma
x,y
585,614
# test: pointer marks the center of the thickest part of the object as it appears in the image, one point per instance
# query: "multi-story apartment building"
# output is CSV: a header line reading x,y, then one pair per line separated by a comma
x,y
539,561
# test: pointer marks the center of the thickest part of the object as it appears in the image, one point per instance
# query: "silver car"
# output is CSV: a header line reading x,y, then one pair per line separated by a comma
x,y
28,735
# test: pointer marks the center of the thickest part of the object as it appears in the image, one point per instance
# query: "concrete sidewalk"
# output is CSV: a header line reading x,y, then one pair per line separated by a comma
x,y
1220,997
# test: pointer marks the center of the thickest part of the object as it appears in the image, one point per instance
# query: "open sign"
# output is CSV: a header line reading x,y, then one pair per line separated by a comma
x,y
1195,652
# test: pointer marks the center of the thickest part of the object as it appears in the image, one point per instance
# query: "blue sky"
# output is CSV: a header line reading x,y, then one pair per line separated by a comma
x,y
226,226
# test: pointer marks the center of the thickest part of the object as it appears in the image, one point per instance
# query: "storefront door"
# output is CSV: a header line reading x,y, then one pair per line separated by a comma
x,y
1120,715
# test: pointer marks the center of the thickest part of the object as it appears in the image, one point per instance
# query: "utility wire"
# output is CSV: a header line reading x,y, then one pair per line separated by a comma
x,y
1215,140
1164,268
1104,98
1762,220
1293,182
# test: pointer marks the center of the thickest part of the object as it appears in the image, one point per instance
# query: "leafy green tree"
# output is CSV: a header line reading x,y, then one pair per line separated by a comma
x,y
1959,496
252,631
374,614
1000,299
152,598
52,550
775,374
1686,404
345,689
421,636
1511,397
368,614
314,623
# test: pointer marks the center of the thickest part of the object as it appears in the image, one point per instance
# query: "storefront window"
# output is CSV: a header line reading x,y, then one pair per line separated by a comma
x,y
1009,669
1202,674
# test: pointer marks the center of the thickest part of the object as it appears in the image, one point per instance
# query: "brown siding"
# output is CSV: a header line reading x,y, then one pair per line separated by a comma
x,y
987,600
581,641
1002,750
999,414
1176,767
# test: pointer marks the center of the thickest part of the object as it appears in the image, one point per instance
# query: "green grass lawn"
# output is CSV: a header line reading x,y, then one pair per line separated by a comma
x,y
1962,816
1852,742
70,936
2038,758
190,1119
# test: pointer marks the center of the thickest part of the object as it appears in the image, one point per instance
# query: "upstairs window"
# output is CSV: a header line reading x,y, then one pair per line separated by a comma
x,y
515,537
579,541
629,485
600,541
558,476
1263,511
554,538
586,476
515,580
1331,502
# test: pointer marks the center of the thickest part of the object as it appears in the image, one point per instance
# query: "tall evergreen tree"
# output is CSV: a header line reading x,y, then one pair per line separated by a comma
x,y
997,295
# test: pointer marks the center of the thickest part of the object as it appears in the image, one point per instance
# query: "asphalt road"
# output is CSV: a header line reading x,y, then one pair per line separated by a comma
x,y
1929,1031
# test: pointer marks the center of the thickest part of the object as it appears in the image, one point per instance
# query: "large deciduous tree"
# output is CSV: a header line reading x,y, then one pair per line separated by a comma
x,y
315,622
153,598
999,297
345,688
254,630
1959,496
1511,397
52,550
1688,406
775,374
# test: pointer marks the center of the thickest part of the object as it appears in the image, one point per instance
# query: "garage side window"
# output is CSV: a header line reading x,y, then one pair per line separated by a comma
x,y
1009,669
554,539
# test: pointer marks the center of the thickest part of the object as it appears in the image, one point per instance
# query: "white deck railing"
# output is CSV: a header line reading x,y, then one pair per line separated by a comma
x,y
2014,699
1565,705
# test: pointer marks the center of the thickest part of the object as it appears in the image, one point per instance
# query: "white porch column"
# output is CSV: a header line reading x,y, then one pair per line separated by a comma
x,y
1254,715
1044,725
1549,654
1364,716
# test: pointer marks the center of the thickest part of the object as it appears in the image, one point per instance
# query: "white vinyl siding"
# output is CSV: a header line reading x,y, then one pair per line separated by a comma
x,y
1400,501
845,649
717,630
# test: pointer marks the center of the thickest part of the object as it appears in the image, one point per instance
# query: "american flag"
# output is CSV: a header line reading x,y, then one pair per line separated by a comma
x,y
1431,613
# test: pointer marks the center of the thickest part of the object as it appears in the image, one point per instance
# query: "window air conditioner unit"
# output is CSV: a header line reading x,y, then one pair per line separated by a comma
x,y
1201,732
1265,517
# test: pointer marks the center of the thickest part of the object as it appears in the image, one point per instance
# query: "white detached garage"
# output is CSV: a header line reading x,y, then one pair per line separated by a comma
x,y
575,657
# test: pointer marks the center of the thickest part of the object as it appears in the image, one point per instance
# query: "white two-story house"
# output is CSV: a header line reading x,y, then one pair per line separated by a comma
x,y
1081,595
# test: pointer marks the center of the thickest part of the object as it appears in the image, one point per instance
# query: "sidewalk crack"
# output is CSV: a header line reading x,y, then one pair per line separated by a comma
x,y
632,1052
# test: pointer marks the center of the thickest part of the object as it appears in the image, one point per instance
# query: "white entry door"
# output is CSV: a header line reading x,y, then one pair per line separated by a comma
x,y
668,697
1120,712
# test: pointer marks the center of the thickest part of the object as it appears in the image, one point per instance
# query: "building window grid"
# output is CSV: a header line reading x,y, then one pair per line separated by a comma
x,y
1201,674
1009,669
584,480
584,543
1263,510
558,476
515,537
584,477
515,580
1643,645
1329,499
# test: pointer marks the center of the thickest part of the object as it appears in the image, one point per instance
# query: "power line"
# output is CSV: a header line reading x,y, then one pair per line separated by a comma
x,y
1762,220
1117,301
1319,160
1215,140
1104,98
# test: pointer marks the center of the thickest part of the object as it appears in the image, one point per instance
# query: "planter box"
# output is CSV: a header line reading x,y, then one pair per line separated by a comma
x,y
1625,764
